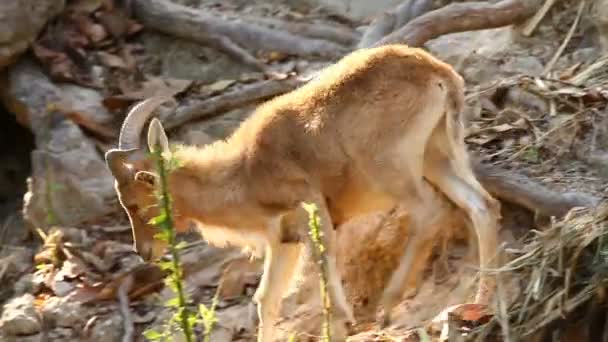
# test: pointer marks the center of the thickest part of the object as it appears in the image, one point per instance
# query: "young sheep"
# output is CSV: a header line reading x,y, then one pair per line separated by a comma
x,y
366,134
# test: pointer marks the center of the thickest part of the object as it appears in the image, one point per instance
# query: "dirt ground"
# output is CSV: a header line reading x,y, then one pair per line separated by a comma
x,y
533,108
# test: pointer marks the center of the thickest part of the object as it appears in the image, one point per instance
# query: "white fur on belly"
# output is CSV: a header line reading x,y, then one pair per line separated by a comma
x,y
254,243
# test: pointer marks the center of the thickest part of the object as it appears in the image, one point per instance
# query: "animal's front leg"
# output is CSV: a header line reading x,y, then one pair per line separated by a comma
x,y
279,265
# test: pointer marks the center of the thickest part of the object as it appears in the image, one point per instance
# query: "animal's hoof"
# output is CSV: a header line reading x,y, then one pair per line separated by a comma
x,y
385,320
441,273
411,292
349,327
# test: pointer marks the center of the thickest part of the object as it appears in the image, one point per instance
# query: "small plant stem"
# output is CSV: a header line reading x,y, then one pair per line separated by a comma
x,y
319,254
167,225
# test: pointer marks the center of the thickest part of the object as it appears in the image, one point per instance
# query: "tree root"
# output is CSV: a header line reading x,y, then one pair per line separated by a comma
x,y
460,17
523,191
187,23
388,21
230,100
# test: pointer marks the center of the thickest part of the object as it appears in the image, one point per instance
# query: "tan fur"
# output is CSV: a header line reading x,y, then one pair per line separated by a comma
x,y
379,128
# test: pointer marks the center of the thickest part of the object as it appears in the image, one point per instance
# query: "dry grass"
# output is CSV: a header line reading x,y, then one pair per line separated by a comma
x,y
561,269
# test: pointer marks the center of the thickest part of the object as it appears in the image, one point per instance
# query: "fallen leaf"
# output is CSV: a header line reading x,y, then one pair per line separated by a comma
x,y
481,139
60,67
569,72
115,22
92,30
111,60
152,87
502,128
220,85
86,122
145,279
457,316
127,55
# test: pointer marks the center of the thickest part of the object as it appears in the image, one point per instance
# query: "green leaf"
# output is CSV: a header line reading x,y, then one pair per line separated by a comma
x,y
165,265
181,245
162,218
153,335
162,235
173,302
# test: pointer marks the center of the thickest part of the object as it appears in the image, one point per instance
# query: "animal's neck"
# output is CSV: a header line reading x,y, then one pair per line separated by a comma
x,y
209,181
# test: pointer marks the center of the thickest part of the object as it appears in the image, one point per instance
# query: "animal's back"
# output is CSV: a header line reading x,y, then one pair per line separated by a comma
x,y
371,100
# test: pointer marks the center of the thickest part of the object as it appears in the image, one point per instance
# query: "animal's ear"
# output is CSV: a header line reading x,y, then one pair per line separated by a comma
x,y
117,162
157,136
145,177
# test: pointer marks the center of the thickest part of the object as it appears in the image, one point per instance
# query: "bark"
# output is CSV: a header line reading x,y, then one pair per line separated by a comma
x,y
521,190
460,17
233,99
388,21
340,35
187,23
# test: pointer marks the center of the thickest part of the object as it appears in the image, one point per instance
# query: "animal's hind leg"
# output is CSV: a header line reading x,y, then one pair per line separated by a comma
x,y
424,212
483,211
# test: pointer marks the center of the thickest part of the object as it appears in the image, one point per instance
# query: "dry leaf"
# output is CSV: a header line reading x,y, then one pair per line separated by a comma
x,y
482,139
111,60
92,30
59,65
115,22
459,315
152,87
569,72
220,85
502,128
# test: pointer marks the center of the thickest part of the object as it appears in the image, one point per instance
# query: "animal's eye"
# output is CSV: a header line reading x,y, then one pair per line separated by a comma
x,y
145,177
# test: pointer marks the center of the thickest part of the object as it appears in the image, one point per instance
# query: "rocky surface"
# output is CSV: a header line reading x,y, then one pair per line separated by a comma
x,y
20,23
20,317
70,182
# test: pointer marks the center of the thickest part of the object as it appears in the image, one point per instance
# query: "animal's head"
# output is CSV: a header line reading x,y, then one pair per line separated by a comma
x,y
135,174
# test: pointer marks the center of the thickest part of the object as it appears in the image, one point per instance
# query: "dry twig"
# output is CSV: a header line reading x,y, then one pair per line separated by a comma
x,y
123,298
562,47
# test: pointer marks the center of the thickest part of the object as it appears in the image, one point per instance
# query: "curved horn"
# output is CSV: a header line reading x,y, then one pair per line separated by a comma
x,y
134,122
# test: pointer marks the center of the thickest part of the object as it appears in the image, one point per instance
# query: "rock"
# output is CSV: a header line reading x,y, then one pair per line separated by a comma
x,y
86,101
70,181
597,15
19,317
484,55
107,329
181,59
354,9
12,268
25,285
32,338
62,334
20,23
219,127
64,312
